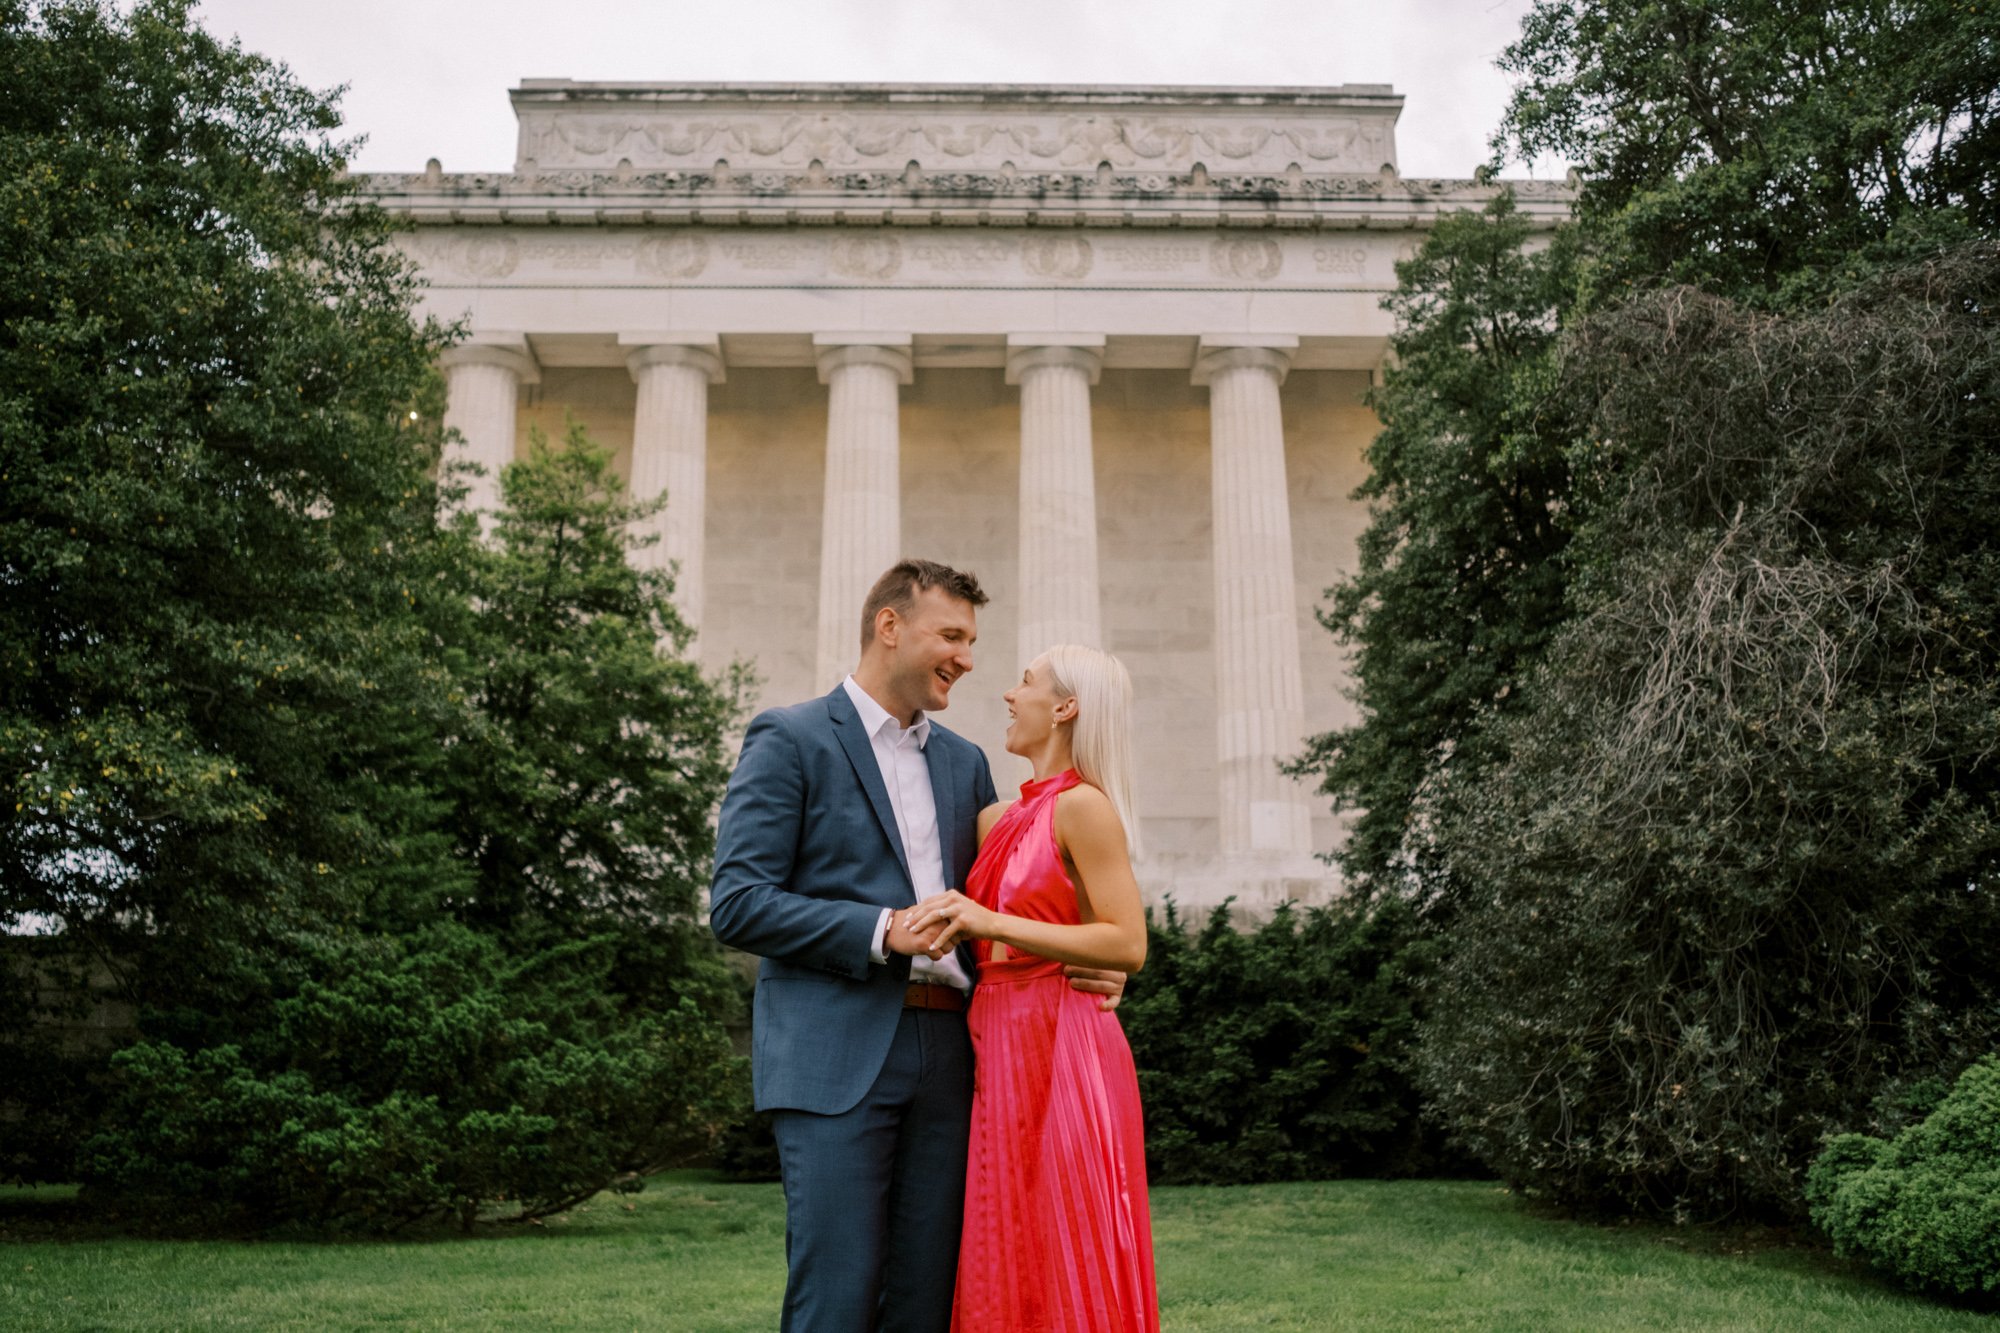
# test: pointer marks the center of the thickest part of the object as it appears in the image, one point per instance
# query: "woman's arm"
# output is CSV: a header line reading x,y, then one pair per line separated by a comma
x,y
988,818
1113,933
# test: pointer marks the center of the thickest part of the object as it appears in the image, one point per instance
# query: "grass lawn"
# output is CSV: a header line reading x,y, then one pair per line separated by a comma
x,y
695,1253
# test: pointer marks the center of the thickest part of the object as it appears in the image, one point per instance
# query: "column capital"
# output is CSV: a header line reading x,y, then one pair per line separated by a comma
x,y
509,351
701,351
1075,351
1218,352
834,351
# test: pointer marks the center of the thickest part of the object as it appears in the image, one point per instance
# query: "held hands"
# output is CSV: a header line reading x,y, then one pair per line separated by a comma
x,y
937,924
948,918
901,939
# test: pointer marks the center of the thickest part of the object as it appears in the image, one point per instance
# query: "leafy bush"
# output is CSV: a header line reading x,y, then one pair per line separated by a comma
x,y
1280,1053
1735,878
422,1077
1925,1205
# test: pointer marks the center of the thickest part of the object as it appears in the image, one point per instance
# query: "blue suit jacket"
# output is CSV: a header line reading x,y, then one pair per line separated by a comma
x,y
806,858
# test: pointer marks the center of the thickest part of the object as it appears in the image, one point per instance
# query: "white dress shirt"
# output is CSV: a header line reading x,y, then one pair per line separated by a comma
x,y
899,755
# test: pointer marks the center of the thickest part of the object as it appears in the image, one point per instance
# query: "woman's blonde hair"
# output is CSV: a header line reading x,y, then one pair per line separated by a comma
x,y
1101,737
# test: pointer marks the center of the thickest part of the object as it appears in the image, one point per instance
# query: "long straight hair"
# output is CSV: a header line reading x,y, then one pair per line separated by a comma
x,y
1101,737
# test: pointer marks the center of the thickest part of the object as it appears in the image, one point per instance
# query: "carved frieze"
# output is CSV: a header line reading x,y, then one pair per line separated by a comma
x,y
758,138
480,254
1245,258
1168,254
871,256
676,254
882,257
1057,257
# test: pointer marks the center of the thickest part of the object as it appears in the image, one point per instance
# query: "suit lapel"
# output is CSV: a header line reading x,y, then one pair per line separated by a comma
x,y
860,754
937,758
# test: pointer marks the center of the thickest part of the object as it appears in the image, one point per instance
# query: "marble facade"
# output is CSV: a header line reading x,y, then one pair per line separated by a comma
x,y
1107,347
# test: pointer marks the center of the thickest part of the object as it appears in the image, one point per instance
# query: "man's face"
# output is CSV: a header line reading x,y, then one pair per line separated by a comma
x,y
933,648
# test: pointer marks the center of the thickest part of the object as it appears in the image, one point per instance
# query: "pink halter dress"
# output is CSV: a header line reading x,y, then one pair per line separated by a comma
x,y
1057,1234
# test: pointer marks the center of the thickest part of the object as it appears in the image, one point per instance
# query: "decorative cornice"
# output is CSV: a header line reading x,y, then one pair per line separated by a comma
x,y
1191,199
950,155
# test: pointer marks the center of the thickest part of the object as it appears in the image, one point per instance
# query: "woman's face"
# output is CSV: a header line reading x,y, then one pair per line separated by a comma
x,y
1034,709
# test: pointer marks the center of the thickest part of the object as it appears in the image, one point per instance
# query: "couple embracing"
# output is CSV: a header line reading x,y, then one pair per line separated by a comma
x,y
955,1105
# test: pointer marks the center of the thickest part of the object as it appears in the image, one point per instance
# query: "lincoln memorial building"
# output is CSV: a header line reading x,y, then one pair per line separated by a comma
x,y
1108,348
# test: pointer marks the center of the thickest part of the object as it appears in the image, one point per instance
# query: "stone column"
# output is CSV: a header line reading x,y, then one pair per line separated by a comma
x,y
861,525
670,453
1058,589
483,379
1260,704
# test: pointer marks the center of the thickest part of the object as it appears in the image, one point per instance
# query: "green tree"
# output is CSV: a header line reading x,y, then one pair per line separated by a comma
x,y
581,790
1718,850
1459,584
390,837
213,501
1769,150
1737,881
507,1048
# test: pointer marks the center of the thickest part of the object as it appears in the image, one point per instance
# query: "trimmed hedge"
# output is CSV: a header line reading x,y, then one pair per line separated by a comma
x,y
1282,1053
1279,1053
1924,1205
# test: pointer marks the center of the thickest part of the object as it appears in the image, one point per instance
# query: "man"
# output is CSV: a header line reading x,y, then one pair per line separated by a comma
x,y
841,812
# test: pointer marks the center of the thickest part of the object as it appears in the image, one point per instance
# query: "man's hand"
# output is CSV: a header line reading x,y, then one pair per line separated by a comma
x,y
953,918
916,943
1097,981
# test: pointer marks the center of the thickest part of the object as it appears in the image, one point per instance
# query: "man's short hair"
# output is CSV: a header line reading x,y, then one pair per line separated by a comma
x,y
898,589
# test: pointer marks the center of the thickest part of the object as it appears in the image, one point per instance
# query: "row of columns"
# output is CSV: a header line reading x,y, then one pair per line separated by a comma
x,y
1260,711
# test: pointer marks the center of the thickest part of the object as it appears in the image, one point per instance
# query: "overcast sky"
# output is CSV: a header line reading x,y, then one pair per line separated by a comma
x,y
429,78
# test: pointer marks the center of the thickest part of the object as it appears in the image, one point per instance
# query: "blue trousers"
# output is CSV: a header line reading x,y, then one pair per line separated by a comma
x,y
875,1196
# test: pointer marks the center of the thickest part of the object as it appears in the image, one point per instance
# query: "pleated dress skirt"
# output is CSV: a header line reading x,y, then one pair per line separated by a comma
x,y
1058,1237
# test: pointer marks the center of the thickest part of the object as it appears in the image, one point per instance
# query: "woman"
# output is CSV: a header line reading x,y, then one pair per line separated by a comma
x,y
1057,1234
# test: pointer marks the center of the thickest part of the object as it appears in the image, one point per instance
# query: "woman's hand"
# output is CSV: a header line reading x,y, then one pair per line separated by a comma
x,y
960,919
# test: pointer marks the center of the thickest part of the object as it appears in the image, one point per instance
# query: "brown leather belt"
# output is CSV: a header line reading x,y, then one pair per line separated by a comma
x,y
930,995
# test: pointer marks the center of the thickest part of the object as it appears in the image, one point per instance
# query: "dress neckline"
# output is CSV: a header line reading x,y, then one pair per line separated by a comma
x,y
1034,787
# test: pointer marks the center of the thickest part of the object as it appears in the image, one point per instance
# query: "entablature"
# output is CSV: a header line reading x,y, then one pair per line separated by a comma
x,y
1191,200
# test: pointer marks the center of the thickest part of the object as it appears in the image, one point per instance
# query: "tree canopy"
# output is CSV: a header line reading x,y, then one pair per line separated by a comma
x,y
390,838
1672,626
218,492
1458,581
1733,886
1765,149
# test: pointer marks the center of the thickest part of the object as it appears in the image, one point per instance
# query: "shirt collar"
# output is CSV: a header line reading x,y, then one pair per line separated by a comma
x,y
874,717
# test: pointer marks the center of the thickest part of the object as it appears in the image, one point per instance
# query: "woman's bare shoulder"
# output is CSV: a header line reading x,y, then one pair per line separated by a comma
x,y
1083,810
1083,796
